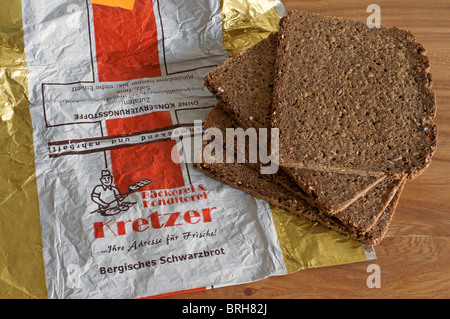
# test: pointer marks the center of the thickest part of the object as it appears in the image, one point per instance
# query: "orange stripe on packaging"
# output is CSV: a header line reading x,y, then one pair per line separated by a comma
x,y
125,4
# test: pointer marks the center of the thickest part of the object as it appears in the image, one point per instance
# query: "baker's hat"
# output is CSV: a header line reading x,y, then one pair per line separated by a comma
x,y
105,173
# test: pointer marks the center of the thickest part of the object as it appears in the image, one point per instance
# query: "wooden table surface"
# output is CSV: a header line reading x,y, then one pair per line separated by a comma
x,y
414,258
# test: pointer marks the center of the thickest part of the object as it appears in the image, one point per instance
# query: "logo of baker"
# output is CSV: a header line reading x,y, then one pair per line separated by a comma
x,y
108,197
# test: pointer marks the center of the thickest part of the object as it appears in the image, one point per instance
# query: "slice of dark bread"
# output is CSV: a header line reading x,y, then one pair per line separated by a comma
x,y
376,234
333,192
245,85
243,177
362,214
246,81
348,98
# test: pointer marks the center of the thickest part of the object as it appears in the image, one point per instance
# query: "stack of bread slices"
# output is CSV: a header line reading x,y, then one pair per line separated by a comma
x,y
354,109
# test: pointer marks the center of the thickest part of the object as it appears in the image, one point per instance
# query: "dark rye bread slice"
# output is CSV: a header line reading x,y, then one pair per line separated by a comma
x,y
348,98
362,214
243,177
366,211
333,192
245,85
378,232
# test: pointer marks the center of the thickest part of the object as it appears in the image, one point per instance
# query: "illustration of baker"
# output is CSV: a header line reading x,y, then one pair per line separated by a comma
x,y
108,197
106,194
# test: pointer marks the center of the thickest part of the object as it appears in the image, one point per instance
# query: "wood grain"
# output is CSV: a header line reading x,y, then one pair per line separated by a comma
x,y
414,258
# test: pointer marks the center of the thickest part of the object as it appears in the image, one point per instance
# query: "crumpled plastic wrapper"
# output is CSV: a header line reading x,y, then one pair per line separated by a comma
x,y
91,205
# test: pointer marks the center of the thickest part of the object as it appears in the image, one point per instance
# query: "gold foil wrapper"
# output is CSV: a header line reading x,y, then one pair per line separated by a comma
x,y
307,244
21,260
246,22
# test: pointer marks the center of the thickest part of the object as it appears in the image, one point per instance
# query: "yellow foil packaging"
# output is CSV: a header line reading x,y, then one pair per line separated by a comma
x,y
96,198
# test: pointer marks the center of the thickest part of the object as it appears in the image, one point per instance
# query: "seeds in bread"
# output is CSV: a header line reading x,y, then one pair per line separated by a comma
x,y
245,81
348,98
